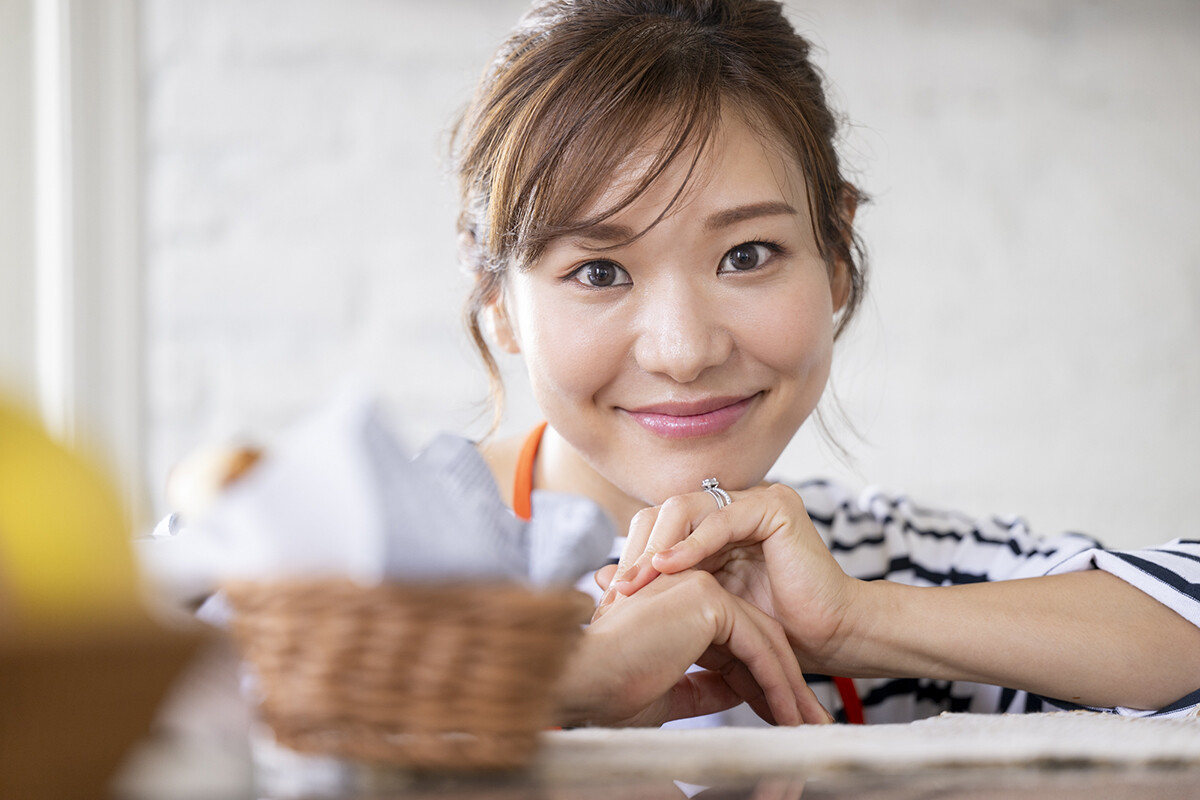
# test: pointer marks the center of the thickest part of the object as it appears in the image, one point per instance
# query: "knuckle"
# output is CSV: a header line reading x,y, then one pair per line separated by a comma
x,y
787,497
674,505
782,492
699,586
645,515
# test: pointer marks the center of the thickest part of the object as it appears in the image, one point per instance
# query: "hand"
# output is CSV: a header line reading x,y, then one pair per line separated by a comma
x,y
1101,641
631,668
762,547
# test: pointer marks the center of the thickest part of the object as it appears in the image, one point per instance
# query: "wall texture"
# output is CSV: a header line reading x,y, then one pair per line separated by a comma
x,y
1030,342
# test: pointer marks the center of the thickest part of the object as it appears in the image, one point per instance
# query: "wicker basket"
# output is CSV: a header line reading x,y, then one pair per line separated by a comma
x,y
427,677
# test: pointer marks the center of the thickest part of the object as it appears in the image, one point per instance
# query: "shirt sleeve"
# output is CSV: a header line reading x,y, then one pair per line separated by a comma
x,y
1169,573
877,536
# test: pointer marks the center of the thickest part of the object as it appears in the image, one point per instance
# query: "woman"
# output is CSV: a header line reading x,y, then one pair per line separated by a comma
x,y
654,212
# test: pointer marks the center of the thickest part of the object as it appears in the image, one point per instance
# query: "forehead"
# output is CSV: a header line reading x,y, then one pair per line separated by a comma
x,y
739,165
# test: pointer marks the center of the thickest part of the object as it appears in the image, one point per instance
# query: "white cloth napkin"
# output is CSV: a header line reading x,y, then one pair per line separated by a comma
x,y
339,496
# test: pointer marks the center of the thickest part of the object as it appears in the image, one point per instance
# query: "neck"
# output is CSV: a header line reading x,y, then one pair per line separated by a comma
x,y
560,468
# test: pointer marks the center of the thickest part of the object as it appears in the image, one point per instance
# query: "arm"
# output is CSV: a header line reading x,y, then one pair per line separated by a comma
x,y
1086,637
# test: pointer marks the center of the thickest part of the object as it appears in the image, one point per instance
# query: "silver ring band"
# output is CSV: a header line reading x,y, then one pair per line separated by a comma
x,y
712,486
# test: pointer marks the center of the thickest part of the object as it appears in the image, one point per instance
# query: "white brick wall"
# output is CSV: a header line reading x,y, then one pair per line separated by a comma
x,y
1031,341
300,225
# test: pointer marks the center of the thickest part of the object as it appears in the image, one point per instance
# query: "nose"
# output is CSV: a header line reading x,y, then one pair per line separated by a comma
x,y
681,331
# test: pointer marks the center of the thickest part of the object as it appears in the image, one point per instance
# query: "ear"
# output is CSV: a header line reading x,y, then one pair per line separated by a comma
x,y
840,279
499,326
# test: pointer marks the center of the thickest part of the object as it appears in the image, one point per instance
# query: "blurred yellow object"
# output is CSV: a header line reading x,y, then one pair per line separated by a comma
x,y
65,556
83,666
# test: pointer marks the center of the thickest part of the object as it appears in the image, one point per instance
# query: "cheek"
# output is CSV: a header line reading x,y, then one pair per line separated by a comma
x,y
792,331
567,355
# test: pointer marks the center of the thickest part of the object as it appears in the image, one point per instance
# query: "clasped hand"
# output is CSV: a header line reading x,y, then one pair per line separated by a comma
x,y
762,569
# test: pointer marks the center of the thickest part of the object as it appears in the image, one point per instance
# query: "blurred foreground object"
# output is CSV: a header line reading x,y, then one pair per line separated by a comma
x,y
440,676
82,665
390,609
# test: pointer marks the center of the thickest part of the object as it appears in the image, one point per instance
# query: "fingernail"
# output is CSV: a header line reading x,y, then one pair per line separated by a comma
x,y
630,574
664,555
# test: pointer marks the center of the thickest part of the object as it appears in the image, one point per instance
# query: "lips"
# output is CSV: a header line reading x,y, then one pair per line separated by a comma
x,y
690,419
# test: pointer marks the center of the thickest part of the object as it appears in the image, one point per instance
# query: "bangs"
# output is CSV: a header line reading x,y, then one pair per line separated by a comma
x,y
635,89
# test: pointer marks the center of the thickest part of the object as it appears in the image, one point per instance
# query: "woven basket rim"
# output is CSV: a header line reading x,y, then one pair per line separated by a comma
x,y
429,675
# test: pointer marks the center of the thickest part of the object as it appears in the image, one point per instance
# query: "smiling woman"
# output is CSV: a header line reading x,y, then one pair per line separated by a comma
x,y
706,343
656,220
655,213
1021,305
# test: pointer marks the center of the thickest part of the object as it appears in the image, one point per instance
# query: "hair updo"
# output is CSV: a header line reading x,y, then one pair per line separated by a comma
x,y
579,84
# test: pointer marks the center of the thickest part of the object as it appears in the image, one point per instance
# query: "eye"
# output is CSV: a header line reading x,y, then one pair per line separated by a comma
x,y
601,274
748,256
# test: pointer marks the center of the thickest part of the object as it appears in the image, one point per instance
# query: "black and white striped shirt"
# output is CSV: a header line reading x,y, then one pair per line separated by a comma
x,y
876,536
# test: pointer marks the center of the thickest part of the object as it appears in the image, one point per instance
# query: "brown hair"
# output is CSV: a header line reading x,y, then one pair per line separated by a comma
x,y
581,83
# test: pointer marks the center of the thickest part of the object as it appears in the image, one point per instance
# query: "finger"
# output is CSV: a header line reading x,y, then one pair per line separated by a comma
x,y
675,520
700,693
756,514
742,681
635,543
759,658
606,599
759,642
604,575
640,528
603,578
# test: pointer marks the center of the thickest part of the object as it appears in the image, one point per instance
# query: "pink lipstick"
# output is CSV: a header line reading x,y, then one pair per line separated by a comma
x,y
692,419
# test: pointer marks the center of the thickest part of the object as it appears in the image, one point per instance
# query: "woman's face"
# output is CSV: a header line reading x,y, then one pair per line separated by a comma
x,y
695,351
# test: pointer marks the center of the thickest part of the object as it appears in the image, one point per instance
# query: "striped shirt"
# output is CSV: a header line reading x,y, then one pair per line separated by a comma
x,y
876,536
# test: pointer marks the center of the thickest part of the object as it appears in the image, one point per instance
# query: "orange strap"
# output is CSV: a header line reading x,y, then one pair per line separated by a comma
x,y
523,481
523,508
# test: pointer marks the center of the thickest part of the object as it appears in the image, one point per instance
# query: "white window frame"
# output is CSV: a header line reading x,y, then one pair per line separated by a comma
x,y
71,316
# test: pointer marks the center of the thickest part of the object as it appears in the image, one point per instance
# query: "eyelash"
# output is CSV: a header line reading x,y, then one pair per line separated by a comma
x,y
574,275
774,247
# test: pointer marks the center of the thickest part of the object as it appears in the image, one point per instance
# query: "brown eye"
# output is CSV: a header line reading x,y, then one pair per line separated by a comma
x,y
746,257
601,274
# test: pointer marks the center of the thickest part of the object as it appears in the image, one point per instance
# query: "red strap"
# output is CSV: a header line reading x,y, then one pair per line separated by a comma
x,y
850,702
523,480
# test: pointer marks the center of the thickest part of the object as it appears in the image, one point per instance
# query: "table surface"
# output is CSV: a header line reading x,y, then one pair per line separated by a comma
x,y
1068,755
989,783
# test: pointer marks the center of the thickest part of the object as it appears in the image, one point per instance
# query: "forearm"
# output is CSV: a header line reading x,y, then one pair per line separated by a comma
x,y
1086,637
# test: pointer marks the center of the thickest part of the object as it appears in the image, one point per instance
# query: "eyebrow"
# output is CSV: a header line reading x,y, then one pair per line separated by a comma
x,y
732,216
612,232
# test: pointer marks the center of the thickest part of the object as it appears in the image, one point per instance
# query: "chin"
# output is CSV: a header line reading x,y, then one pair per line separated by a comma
x,y
688,480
